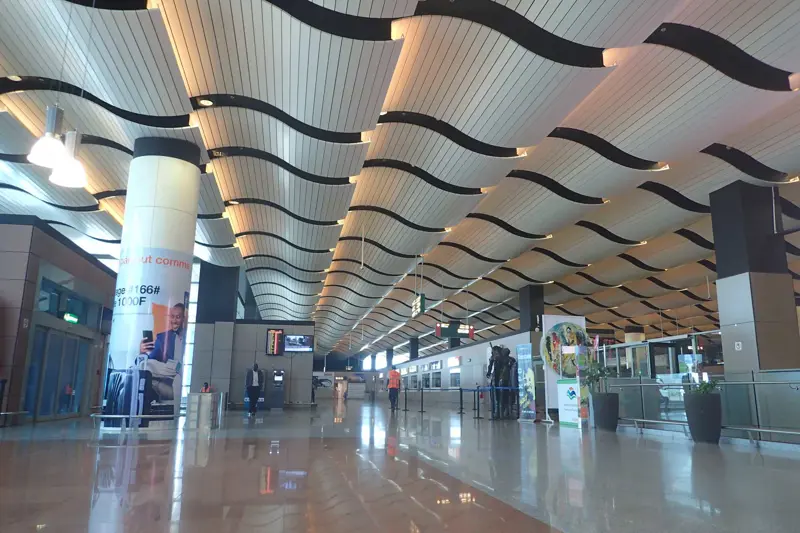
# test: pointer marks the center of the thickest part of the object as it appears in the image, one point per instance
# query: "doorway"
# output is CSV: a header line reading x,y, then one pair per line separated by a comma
x,y
56,375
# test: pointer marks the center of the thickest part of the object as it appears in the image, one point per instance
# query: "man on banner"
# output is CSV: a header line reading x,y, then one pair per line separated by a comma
x,y
165,356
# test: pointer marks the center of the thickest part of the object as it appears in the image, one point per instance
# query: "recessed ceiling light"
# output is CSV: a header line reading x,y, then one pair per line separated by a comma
x,y
233,202
15,78
205,103
383,112
448,230
353,179
225,214
332,250
340,222
236,244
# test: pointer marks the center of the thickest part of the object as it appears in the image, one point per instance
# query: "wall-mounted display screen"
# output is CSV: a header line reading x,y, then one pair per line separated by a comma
x,y
275,342
298,343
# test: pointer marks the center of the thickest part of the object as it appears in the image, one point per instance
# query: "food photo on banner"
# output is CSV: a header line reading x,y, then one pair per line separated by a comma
x,y
148,334
563,347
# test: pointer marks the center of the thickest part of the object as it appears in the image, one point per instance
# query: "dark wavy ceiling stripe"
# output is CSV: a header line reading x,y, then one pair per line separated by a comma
x,y
694,296
348,302
285,262
345,287
324,307
746,163
246,102
270,294
377,322
510,307
267,203
650,306
115,5
283,287
98,239
21,159
662,284
500,284
331,319
214,246
479,297
348,273
95,140
606,234
494,316
415,330
555,187
517,28
570,289
72,208
640,264
695,238
335,313
425,176
446,130
633,293
708,264
633,322
792,249
336,23
433,282
358,262
795,275
30,83
375,311
272,269
521,275
391,299
286,241
674,197
103,195
446,271
385,308
210,216
245,151
723,55
379,246
617,314
282,310
789,209
604,148
595,302
596,281
389,213
506,226
471,252
704,308
555,257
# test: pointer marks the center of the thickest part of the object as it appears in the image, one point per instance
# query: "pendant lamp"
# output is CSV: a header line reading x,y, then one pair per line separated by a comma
x,y
49,151
70,172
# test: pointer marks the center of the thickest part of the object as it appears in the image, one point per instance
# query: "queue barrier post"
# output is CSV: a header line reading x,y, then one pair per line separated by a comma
x,y
421,400
460,401
478,403
405,400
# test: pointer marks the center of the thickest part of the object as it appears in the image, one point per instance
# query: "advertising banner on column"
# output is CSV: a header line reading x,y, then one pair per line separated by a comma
x,y
558,332
148,332
527,382
569,400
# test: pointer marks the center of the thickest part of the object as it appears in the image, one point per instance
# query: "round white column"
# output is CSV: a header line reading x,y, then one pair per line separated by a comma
x,y
152,295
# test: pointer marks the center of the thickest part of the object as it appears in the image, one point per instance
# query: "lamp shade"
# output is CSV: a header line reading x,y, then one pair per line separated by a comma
x,y
48,151
69,173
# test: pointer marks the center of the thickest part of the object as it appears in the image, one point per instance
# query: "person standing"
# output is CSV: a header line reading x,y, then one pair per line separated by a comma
x,y
394,387
255,384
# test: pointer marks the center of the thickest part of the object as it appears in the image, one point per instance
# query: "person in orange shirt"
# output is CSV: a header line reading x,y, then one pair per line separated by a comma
x,y
394,387
205,388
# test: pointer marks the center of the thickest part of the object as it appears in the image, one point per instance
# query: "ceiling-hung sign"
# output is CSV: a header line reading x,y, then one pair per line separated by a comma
x,y
418,307
454,330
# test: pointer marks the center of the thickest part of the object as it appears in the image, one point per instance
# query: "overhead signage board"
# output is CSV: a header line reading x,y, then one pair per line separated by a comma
x,y
454,330
418,307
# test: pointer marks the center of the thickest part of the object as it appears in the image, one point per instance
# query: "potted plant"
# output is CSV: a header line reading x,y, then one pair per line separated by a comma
x,y
704,412
605,405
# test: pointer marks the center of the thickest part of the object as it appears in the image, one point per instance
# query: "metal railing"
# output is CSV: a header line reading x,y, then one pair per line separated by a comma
x,y
757,409
6,414
101,416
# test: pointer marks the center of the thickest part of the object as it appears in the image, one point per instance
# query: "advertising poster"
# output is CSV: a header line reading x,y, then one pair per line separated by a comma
x,y
569,401
148,332
527,382
560,332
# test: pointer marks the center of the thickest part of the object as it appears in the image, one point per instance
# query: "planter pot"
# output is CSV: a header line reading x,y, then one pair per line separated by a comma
x,y
704,413
605,407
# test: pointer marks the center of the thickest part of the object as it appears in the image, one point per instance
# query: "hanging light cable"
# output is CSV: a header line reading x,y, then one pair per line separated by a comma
x,y
49,151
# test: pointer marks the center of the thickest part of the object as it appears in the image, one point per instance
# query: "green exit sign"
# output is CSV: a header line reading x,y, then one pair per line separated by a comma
x,y
69,317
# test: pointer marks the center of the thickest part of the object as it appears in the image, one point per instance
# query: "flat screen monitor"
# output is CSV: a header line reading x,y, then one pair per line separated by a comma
x,y
275,342
298,343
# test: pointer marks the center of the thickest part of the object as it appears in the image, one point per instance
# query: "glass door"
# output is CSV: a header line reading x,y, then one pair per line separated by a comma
x,y
49,384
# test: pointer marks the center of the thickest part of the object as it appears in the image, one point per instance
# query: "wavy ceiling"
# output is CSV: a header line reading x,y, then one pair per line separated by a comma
x,y
359,152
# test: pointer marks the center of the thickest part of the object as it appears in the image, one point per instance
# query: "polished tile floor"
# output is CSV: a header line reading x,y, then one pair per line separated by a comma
x,y
355,467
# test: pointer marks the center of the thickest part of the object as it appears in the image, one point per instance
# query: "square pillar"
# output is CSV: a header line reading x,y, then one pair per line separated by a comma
x,y
531,307
454,342
389,357
757,313
413,348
